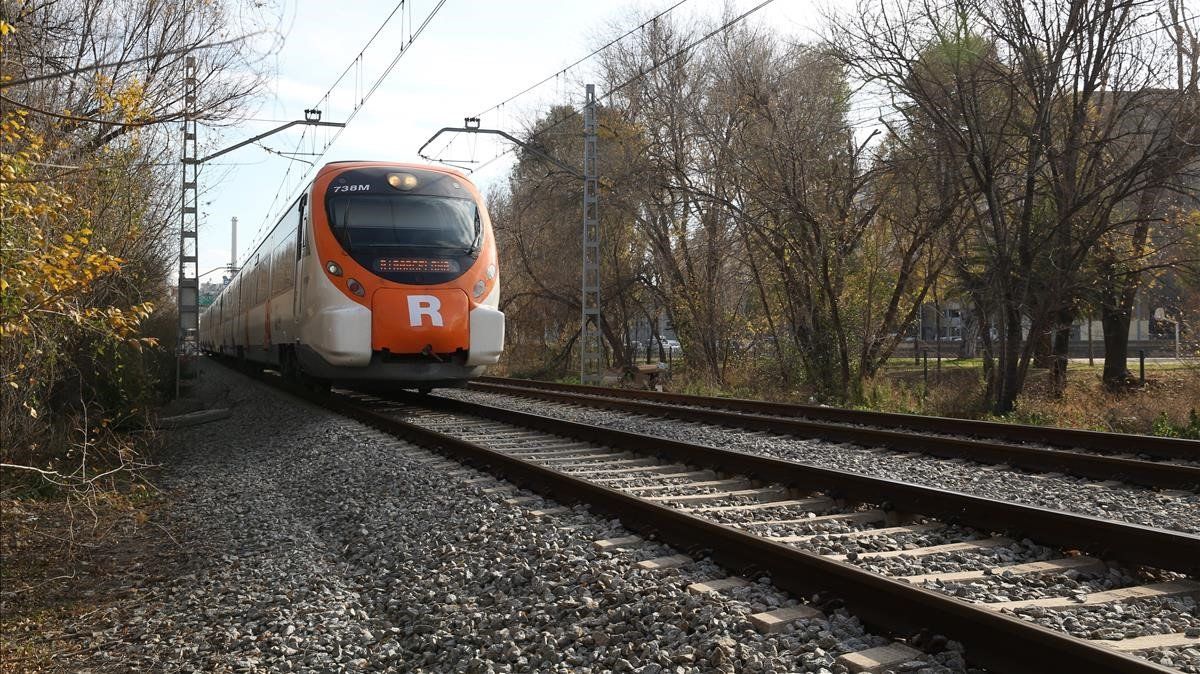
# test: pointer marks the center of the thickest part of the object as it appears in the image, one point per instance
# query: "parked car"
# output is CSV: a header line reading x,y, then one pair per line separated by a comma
x,y
669,347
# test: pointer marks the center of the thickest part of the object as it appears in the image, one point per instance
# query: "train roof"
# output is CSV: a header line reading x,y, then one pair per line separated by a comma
x,y
397,164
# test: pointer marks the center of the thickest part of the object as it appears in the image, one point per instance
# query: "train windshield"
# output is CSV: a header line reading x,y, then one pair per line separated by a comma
x,y
364,222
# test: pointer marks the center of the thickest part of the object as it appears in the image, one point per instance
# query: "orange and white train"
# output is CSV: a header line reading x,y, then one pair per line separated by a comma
x,y
379,273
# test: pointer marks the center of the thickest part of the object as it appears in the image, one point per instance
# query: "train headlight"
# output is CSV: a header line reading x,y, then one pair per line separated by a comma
x,y
356,287
402,181
333,268
478,289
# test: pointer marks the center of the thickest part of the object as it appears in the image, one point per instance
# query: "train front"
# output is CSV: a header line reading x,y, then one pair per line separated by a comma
x,y
403,288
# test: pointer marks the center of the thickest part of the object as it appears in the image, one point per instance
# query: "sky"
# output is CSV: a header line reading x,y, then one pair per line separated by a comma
x,y
472,55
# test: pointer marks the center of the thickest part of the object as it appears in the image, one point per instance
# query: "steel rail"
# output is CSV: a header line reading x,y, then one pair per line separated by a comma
x,y
1154,446
1097,466
995,640
1122,541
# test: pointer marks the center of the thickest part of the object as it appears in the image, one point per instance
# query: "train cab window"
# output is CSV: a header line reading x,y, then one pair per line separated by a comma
x,y
408,220
424,231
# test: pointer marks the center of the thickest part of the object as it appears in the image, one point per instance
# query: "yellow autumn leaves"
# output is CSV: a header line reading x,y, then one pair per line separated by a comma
x,y
127,100
51,281
52,268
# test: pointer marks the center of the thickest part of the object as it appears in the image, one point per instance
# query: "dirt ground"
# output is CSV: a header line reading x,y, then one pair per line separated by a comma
x,y
68,564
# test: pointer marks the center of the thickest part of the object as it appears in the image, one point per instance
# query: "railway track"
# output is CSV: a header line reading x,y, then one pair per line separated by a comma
x,y
834,536
767,516
1168,463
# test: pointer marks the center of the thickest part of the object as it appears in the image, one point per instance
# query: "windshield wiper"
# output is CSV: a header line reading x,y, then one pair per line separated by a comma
x,y
478,242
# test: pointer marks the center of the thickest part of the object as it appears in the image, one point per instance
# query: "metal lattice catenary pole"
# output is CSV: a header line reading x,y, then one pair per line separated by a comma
x,y
189,280
591,338
189,276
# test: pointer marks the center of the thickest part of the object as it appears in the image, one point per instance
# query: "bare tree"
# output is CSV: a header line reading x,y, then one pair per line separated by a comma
x,y
1131,252
855,237
1042,105
676,99
146,41
537,223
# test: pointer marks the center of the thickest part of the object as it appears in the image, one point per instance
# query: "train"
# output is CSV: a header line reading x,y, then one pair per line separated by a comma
x,y
379,274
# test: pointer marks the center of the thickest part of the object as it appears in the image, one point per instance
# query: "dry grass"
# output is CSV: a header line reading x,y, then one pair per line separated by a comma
x,y
1161,406
68,566
1166,400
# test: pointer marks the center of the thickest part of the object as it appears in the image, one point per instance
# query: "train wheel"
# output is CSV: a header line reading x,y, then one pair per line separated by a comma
x,y
289,367
318,386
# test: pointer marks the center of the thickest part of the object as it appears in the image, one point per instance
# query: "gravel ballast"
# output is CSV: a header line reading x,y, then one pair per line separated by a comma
x,y
1174,510
1168,616
316,544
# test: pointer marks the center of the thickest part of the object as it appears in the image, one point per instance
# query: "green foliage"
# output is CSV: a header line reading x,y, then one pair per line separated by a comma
x,y
1164,427
1024,415
883,395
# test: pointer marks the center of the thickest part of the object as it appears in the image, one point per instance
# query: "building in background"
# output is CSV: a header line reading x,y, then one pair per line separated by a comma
x,y
210,289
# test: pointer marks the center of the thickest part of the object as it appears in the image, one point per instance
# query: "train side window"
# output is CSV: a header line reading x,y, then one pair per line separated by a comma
x,y
289,260
283,267
262,271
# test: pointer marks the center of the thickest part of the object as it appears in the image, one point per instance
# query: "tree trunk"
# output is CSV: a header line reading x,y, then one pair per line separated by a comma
x,y
969,346
1115,320
1009,372
776,343
1061,353
1121,290
1043,351
617,346
989,356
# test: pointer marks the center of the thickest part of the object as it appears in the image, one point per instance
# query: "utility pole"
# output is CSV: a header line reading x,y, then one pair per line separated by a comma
x,y
189,279
233,246
591,367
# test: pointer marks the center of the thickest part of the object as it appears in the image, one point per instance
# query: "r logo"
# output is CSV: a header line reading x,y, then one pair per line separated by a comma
x,y
420,306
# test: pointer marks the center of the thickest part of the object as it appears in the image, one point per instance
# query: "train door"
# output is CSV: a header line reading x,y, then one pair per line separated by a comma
x,y
301,277
260,329
247,305
218,327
